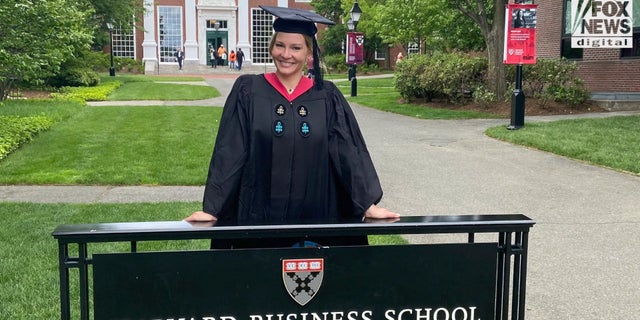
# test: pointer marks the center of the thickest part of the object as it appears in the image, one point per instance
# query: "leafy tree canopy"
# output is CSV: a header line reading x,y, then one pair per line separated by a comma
x,y
37,36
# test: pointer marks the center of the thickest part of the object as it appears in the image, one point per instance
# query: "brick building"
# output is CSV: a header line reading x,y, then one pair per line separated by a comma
x,y
607,73
198,25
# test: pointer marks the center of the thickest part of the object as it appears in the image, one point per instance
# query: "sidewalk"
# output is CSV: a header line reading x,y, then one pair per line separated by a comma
x,y
584,256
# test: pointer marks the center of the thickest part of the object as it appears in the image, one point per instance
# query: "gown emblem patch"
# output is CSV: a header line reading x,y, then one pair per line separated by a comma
x,y
280,110
278,128
302,111
305,130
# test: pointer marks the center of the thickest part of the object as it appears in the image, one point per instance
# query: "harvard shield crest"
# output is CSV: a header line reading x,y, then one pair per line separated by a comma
x,y
302,278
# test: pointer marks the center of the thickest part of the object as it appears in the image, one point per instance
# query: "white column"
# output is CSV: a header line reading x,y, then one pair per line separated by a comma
x,y
190,43
149,45
243,30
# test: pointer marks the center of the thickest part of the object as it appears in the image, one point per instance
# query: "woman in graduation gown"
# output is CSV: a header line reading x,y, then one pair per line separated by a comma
x,y
289,148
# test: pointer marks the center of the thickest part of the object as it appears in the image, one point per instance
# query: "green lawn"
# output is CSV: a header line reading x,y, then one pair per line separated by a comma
x,y
609,142
172,145
379,93
119,146
162,91
29,278
160,145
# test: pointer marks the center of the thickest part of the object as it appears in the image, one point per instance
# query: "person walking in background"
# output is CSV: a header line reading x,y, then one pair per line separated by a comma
x,y
399,57
222,55
232,60
213,57
239,58
289,148
179,57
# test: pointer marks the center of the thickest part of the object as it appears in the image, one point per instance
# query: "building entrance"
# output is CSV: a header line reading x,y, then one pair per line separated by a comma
x,y
215,39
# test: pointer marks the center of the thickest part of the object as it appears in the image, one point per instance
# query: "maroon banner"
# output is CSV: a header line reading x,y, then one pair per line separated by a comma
x,y
520,34
355,47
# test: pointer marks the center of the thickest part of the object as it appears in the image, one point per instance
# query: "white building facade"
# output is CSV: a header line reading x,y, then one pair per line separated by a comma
x,y
197,26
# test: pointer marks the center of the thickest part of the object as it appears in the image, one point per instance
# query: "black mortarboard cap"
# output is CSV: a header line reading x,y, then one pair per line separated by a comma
x,y
292,20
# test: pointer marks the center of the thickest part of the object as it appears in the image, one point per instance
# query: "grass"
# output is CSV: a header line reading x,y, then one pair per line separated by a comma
x,y
29,274
126,78
29,278
119,146
172,145
57,110
162,91
97,145
379,93
609,142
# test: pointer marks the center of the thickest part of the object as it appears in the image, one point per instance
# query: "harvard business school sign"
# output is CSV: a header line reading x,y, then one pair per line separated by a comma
x,y
601,24
413,282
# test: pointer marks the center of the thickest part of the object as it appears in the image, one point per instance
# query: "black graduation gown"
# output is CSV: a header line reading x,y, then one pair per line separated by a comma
x,y
276,161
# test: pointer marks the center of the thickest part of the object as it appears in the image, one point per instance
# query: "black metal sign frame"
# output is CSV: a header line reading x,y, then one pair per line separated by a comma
x,y
511,250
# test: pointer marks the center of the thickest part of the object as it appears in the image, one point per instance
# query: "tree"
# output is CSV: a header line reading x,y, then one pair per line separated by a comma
x,y
430,23
372,40
121,13
489,16
440,25
37,36
331,38
330,9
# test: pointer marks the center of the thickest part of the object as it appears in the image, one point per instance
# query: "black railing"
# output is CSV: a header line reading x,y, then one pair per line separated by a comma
x,y
511,246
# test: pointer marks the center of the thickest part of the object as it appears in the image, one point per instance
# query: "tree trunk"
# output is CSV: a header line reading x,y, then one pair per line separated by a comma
x,y
495,50
493,32
495,72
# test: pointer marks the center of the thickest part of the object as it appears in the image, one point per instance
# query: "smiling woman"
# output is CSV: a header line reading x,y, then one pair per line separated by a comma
x,y
289,147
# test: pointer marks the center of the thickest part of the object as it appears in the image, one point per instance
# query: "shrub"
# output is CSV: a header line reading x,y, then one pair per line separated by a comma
x,y
369,68
16,131
97,93
552,80
128,65
78,77
443,75
336,63
484,96
407,78
77,71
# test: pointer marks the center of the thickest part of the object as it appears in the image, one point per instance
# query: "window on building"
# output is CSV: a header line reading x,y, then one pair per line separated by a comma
x,y
261,32
169,32
216,24
413,48
124,43
381,54
635,51
566,51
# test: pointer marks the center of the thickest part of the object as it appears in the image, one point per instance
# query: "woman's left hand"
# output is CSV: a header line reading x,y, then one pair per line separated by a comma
x,y
375,212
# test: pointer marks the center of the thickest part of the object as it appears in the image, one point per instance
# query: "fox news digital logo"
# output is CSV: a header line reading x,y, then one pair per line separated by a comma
x,y
601,24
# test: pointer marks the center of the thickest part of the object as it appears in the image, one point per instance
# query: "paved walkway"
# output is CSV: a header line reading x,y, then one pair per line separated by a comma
x,y
584,248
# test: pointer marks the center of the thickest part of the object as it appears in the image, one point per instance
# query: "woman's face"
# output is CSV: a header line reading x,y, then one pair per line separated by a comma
x,y
289,52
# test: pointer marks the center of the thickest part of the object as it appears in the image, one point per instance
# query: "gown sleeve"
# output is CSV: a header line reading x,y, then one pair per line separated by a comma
x,y
349,155
229,154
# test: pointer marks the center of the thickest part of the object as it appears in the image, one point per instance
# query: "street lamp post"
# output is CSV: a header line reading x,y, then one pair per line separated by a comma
x,y
112,69
352,25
